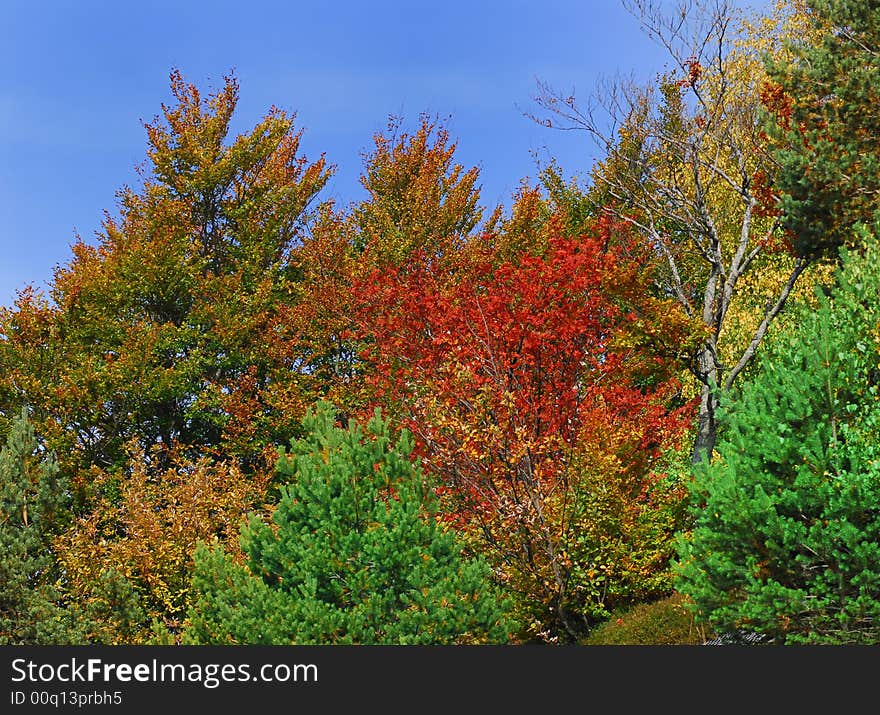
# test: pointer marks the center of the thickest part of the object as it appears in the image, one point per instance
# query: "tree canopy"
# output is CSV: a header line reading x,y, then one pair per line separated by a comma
x,y
248,413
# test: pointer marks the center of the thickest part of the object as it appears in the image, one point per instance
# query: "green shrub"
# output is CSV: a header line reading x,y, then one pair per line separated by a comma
x,y
668,621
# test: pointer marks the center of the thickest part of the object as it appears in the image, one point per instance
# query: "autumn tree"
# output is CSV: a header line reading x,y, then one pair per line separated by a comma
x,y
529,395
419,199
129,561
156,333
686,165
355,555
150,365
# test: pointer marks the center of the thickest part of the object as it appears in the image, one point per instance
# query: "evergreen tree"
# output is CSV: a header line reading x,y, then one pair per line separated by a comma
x,y
33,506
356,555
826,114
786,537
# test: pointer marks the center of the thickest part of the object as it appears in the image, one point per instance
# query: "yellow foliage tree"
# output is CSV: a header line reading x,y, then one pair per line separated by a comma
x,y
687,164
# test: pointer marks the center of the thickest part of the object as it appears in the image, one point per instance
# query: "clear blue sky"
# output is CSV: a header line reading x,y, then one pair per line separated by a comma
x,y
80,76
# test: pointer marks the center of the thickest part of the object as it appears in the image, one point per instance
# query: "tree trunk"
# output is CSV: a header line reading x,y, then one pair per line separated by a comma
x,y
704,443
707,371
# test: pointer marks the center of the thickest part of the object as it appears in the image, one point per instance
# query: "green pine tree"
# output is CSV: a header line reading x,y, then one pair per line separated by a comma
x,y
356,555
786,534
828,124
33,507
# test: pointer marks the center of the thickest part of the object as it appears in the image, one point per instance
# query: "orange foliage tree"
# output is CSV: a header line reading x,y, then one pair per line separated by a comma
x,y
158,332
419,201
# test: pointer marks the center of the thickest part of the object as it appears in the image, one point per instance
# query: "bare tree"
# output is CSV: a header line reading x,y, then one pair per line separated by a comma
x,y
684,162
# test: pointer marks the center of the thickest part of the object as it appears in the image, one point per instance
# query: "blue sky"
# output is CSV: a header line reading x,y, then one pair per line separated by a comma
x,y
81,76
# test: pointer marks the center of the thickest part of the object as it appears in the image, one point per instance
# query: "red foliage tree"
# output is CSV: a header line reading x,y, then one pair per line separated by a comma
x,y
527,384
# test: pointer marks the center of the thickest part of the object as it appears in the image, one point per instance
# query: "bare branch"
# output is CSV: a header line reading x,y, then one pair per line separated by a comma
x,y
774,310
680,158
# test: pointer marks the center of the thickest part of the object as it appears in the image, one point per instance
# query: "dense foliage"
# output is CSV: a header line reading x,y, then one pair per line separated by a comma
x,y
34,506
357,554
523,381
786,540
824,100
657,356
